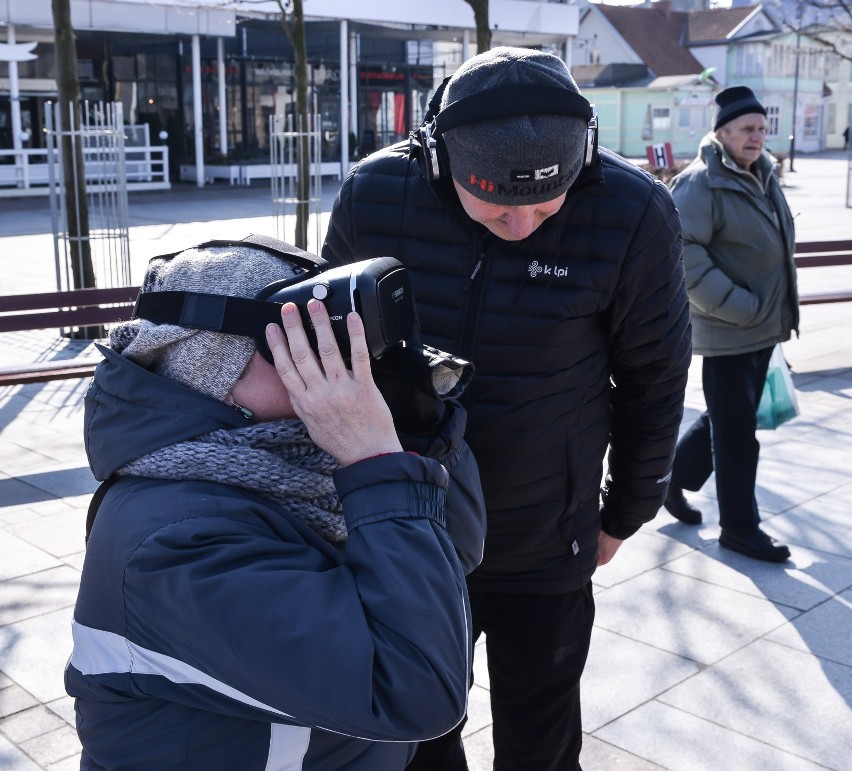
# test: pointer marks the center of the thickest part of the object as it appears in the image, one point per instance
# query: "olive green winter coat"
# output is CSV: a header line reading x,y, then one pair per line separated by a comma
x,y
738,253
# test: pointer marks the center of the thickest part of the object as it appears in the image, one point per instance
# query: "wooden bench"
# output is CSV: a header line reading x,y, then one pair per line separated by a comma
x,y
822,254
92,307
61,310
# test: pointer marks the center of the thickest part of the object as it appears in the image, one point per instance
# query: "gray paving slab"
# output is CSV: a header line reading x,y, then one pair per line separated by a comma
x,y
13,759
675,739
30,723
682,615
55,746
479,750
779,696
479,711
71,763
822,523
58,534
601,755
38,593
64,708
34,652
621,674
480,665
809,579
823,631
13,698
42,505
820,470
20,558
640,553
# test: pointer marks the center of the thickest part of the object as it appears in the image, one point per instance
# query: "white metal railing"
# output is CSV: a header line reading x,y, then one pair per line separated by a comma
x,y
25,172
285,144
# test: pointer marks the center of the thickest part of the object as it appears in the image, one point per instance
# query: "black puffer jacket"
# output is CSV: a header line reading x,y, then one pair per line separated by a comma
x,y
580,335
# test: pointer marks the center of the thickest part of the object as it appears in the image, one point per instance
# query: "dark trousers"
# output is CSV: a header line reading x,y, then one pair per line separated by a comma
x,y
723,439
537,647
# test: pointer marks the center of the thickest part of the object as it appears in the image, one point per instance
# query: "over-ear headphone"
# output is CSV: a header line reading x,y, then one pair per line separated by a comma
x,y
491,104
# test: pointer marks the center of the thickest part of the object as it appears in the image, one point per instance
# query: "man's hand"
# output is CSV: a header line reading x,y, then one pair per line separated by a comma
x,y
607,547
343,410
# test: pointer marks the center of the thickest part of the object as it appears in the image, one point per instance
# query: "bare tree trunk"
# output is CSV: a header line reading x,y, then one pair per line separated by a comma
x,y
73,168
483,28
293,23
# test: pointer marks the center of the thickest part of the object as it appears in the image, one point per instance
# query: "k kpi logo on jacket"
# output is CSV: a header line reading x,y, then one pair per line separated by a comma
x,y
535,268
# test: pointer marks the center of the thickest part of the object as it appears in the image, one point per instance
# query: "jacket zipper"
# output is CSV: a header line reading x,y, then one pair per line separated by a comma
x,y
473,290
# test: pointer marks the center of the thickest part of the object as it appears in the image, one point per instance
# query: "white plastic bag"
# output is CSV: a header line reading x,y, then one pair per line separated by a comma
x,y
778,403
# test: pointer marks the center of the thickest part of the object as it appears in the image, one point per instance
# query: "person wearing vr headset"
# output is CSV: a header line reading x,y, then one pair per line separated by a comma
x,y
274,575
555,267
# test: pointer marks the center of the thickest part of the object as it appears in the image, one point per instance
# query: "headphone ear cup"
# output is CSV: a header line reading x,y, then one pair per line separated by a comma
x,y
592,139
426,148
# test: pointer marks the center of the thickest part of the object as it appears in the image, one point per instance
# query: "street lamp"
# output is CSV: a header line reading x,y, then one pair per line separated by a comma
x,y
796,83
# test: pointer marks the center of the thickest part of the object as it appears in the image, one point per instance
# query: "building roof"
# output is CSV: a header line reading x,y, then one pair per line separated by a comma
x,y
655,35
716,25
614,75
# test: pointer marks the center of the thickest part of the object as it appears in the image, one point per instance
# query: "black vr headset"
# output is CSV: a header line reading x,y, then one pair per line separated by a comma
x,y
377,289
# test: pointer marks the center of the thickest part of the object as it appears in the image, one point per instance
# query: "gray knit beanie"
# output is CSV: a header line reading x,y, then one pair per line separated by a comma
x,y
520,160
209,362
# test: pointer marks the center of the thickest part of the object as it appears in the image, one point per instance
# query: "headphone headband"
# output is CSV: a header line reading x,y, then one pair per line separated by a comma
x,y
511,102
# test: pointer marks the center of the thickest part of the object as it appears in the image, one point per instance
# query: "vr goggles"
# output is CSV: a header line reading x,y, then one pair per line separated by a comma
x,y
377,289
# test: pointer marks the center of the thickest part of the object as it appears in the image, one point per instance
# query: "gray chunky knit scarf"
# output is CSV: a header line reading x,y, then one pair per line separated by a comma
x,y
276,459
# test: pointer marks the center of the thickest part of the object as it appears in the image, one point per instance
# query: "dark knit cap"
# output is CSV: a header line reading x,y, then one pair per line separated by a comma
x,y
521,160
736,101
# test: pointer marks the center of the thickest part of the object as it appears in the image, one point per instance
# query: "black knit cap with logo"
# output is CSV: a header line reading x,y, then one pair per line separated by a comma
x,y
734,102
521,160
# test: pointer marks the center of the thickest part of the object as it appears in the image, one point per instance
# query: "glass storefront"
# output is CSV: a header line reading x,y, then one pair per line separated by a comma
x,y
151,75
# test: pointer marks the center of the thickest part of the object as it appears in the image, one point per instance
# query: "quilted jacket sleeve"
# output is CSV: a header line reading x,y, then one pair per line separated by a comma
x,y
650,339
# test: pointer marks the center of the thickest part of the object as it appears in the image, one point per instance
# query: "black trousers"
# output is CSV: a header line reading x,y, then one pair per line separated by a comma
x,y
723,439
537,647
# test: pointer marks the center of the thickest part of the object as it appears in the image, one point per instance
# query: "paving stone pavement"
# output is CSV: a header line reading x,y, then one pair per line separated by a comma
x,y
700,659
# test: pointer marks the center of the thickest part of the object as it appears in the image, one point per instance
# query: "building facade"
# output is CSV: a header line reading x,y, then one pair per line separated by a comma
x,y
206,75
653,72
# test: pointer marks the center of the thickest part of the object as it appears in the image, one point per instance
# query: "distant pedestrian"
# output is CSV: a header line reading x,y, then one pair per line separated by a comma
x,y
738,254
846,137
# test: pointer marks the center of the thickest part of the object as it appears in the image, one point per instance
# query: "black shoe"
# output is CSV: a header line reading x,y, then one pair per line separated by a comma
x,y
680,508
756,544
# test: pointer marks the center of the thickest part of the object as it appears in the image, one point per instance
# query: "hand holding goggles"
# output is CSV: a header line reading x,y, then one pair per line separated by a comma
x,y
377,289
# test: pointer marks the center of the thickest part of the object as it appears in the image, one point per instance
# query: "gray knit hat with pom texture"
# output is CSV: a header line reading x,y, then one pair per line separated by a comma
x,y
209,362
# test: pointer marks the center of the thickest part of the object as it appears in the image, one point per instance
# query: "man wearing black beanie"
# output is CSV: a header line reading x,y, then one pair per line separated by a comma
x,y
738,254
555,267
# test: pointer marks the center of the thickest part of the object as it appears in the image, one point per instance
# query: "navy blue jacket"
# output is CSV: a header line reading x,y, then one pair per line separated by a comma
x,y
214,631
580,335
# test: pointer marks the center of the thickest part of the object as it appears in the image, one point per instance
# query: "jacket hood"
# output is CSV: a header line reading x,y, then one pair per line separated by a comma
x,y
130,412
713,153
